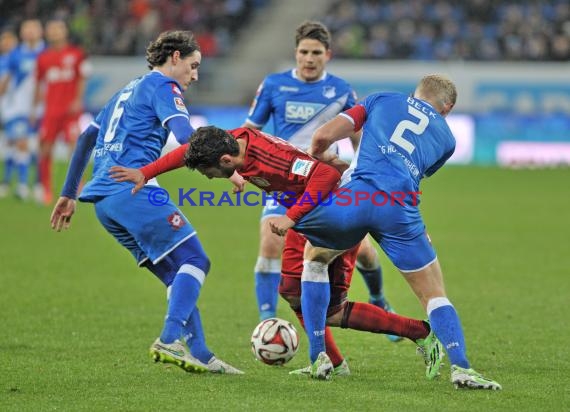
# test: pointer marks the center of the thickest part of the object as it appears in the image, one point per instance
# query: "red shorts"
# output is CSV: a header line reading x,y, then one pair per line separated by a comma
x,y
52,126
340,271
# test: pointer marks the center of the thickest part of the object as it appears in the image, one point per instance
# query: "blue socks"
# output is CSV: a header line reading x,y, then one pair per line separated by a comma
x,y
266,291
22,161
267,277
446,325
315,298
194,335
8,167
184,293
373,280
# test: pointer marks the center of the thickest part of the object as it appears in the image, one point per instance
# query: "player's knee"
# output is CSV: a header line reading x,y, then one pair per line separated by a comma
x,y
315,271
267,265
191,253
270,245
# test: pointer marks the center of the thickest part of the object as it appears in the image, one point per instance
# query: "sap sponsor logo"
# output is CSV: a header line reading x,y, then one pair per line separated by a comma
x,y
451,345
302,167
179,103
329,92
301,112
288,89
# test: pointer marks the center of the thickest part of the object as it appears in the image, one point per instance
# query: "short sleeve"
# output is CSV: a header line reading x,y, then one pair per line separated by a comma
x,y
168,102
261,107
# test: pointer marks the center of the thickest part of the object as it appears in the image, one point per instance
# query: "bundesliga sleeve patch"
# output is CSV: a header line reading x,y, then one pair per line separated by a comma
x,y
302,167
179,103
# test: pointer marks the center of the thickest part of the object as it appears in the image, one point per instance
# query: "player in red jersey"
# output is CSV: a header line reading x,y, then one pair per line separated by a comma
x,y
61,73
275,165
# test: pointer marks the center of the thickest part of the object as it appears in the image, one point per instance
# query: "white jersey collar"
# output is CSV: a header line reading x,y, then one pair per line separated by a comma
x,y
294,75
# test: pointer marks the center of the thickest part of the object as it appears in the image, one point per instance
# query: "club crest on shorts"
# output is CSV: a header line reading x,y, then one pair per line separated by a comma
x,y
176,221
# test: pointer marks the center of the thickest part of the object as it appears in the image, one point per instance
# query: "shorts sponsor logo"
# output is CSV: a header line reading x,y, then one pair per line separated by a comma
x,y
302,167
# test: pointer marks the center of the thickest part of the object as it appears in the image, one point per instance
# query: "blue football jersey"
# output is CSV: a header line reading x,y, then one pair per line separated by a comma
x,y
21,65
132,130
403,140
299,107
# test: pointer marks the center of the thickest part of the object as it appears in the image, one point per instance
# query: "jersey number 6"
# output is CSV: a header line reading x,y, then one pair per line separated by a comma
x,y
117,113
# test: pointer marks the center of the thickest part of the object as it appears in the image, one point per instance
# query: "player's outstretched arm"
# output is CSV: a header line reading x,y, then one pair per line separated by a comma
x,y
65,206
127,174
62,213
333,130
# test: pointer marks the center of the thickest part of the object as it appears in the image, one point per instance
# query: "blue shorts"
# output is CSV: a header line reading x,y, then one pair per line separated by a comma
x,y
18,128
399,229
273,208
147,231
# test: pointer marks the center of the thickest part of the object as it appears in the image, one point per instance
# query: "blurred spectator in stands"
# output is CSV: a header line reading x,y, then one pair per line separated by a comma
x,y
443,30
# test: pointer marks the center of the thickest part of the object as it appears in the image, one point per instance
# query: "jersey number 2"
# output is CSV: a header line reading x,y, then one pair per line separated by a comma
x,y
116,116
417,128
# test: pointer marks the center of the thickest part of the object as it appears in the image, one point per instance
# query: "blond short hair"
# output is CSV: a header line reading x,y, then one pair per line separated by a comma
x,y
438,89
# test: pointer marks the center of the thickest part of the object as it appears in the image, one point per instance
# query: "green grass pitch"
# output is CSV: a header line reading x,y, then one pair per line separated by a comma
x,y
78,317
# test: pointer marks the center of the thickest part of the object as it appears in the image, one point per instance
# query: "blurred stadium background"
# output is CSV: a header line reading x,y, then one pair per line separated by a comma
x,y
77,316
509,59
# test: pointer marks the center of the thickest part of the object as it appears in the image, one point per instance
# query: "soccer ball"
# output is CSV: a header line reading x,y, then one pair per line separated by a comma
x,y
274,341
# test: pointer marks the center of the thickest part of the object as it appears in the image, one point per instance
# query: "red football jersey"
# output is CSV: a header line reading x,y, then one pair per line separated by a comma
x,y
273,165
61,71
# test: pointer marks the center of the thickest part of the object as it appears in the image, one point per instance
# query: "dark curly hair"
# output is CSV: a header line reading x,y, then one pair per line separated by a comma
x,y
207,145
313,30
167,43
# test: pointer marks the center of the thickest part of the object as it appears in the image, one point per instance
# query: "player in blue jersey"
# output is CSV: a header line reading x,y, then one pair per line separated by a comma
x,y
17,86
8,41
404,139
300,100
131,130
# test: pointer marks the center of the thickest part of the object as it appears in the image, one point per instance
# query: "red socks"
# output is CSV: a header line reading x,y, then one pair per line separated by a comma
x,y
367,317
332,350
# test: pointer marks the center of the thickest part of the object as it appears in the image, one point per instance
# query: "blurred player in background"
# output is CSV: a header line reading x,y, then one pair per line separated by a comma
x,y
61,75
405,138
8,41
300,100
131,130
17,86
275,166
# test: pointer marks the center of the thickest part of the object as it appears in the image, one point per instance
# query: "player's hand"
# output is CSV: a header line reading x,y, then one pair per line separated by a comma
x,y
62,213
126,174
238,181
280,225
